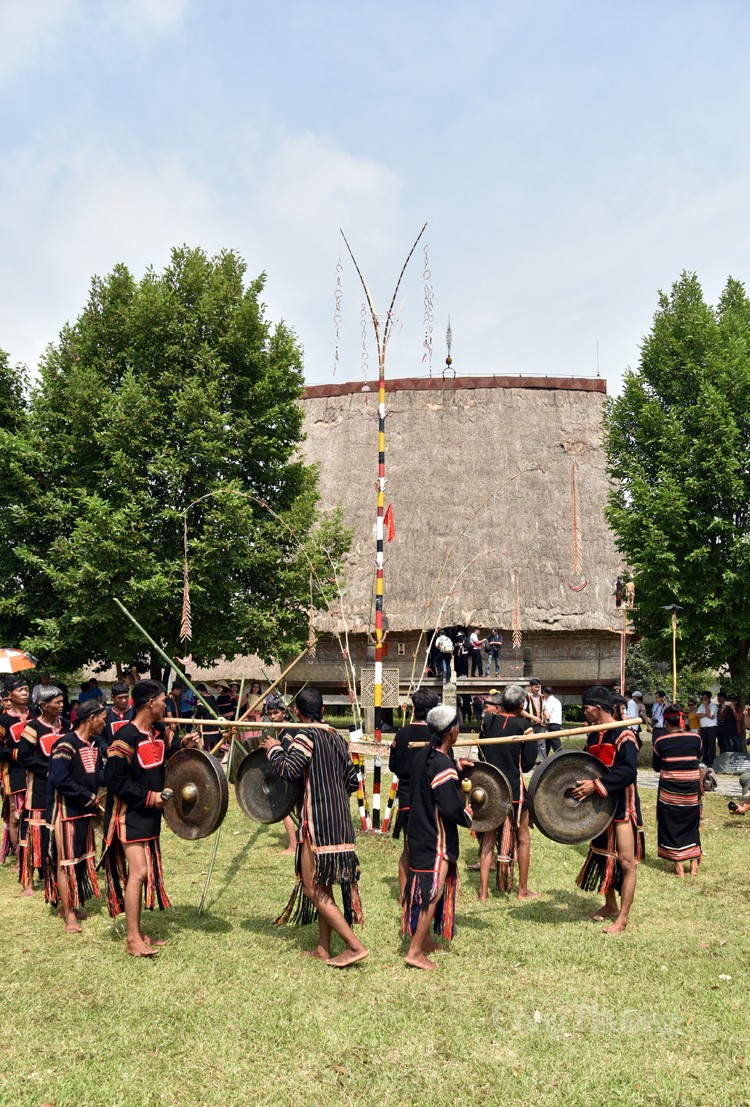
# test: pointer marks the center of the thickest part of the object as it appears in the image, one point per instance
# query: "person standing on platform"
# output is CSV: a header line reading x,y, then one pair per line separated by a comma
x,y
444,646
493,644
475,652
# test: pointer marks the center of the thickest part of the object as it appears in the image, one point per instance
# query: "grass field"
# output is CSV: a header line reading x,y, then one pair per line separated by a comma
x,y
533,1005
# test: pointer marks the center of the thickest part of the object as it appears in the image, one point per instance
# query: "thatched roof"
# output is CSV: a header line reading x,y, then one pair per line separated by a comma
x,y
448,445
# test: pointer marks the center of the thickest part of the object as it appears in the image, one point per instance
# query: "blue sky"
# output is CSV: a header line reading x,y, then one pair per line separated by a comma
x,y
569,158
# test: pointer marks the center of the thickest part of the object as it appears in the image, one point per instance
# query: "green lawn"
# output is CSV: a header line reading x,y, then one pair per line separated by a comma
x,y
534,1005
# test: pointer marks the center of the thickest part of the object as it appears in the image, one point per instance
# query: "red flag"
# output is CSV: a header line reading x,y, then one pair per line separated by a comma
x,y
388,523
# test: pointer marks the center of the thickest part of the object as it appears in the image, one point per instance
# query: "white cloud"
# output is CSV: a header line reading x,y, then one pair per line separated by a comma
x,y
159,14
34,30
30,29
66,214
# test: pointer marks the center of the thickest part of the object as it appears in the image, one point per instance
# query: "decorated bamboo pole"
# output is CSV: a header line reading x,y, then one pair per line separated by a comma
x,y
390,804
376,782
359,761
621,723
382,344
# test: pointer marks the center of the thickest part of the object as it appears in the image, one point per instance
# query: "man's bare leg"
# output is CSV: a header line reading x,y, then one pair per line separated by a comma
x,y
291,833
403,869
135,943
67,913
323,949
329,913
486,857
13,821
523,849
625,842
416,957
609,909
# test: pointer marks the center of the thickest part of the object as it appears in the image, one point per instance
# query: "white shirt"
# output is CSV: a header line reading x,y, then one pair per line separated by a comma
x,y
657,714
707,714
474,641
553,709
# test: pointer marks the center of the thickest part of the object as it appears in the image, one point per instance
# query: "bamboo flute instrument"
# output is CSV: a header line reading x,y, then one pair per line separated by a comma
x,y
541,734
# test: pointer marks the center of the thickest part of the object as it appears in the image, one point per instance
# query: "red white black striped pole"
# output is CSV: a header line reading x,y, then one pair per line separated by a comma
x,y
382,343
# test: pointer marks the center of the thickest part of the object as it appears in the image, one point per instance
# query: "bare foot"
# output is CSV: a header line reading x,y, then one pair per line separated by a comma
x,y
473,868
290,849
419,961
526,894
617,927
679,869
320,952
157,943
72,925
483,897
347,958
28,891
81,915
140,949
603,913
694,869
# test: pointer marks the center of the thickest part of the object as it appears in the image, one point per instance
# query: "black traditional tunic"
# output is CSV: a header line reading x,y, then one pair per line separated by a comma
x,y
436,811
76,774
134,775
114,721
513,761
13,774
318,757
676,758
400,762
618,751
34,751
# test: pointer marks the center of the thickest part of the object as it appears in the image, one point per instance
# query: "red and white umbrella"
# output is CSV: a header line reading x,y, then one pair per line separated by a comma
x,y
15,661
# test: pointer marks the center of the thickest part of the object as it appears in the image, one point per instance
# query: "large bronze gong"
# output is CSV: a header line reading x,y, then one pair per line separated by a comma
x,y
261,794
489,795
200,794
551,804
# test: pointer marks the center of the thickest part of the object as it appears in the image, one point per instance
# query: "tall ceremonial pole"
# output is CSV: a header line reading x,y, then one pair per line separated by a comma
x,y
382,344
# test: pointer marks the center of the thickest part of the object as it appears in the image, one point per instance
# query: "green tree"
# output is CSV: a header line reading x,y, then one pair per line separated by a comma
x,y
647,675
163,393
16,490
678,445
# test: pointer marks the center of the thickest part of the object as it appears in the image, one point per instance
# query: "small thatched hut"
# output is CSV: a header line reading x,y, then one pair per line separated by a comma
x,y
505,470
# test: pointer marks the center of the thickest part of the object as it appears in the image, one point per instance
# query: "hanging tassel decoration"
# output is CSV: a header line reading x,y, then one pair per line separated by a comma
x,y
186,628
516,616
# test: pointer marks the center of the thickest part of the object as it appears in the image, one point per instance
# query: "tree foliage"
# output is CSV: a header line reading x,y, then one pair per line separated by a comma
x,y
167,396
678,444
642,672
